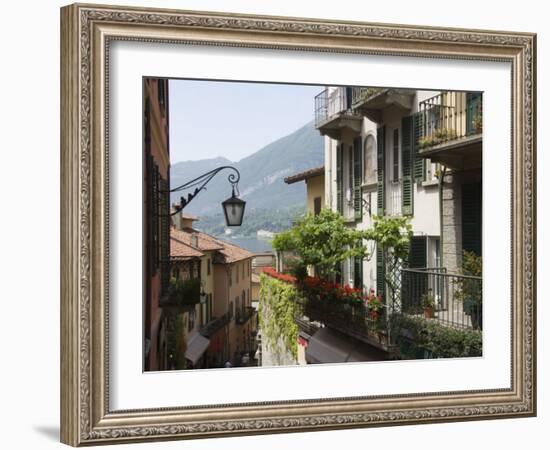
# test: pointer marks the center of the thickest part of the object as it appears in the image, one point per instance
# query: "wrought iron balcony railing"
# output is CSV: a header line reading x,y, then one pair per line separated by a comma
x,y
448,116
215,325
362,94
353,320
243,315
331,102
451,299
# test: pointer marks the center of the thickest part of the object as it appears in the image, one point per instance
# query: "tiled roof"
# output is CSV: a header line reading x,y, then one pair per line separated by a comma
x,y
310,173
179,249
227,252
232,253
205,242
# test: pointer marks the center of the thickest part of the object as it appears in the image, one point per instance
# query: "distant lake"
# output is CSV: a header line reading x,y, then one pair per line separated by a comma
x,y
252,244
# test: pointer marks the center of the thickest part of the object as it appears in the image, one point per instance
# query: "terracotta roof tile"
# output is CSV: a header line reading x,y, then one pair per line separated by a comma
x,y
315,172
204,242
179,249
233,253
227,252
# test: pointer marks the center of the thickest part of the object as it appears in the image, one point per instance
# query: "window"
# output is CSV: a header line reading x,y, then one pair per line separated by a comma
x,y
230,272
243,269
395,161
370,160
237,271
208,266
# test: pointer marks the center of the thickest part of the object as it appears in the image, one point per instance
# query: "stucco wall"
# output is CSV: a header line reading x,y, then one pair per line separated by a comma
x,y
315,188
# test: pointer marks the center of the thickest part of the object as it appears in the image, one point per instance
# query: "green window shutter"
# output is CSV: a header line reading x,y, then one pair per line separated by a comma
x,y
149,212
358,271
381,161
380,270
357,179
471,218
418,161
153,215
473,109
407,133
418,257
164,234
339,179
415,286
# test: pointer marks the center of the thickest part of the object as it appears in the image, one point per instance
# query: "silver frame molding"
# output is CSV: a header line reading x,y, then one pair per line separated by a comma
x,y
86,32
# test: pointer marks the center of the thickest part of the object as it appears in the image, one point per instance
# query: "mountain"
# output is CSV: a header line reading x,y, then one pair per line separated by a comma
x,y
262,183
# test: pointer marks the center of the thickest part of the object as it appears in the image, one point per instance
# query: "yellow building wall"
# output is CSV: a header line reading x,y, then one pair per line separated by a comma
x,y
315,188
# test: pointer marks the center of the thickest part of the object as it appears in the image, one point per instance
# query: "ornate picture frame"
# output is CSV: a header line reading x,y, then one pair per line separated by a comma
x,y
87,32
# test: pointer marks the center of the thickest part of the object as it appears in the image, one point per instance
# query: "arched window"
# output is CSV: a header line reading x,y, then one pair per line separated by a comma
x,y
369,161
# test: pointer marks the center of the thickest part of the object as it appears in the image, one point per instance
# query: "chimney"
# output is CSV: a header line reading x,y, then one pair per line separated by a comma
x,y
182,220
195,240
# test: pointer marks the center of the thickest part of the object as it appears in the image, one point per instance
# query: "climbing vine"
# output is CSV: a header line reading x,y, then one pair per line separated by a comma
x,y
277,314
176,341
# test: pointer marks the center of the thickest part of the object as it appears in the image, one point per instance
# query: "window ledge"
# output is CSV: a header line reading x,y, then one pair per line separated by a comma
x,y
430,183
369,186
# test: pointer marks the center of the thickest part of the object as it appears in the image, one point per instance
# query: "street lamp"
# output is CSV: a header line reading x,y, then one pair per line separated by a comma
x,y
233,207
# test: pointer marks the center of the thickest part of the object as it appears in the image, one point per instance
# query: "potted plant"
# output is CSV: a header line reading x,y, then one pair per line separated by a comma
x,y
477,123
428,303
374,305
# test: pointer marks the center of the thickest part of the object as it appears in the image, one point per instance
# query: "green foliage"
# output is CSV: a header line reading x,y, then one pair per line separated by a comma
x,y
277,310
184,292
468,290
438,136
472,264
393,233
477,123
428,300
322,241
176,342
418,334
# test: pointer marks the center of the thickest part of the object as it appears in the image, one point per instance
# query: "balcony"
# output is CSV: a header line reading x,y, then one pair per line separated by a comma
x,y
182,295
215,325
450,299
449,129
333,114
370,102
243,315
351,320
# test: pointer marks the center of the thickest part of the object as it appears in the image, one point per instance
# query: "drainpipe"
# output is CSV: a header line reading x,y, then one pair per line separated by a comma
x,y
440,187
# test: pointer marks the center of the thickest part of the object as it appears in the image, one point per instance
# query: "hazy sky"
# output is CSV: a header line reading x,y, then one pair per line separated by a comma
x,y
218,118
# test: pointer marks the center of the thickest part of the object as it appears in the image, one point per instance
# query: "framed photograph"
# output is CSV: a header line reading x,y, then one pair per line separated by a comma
x,y
282,224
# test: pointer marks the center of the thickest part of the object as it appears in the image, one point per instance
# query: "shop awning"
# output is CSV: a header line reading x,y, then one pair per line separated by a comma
x,y
196,346
330,346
